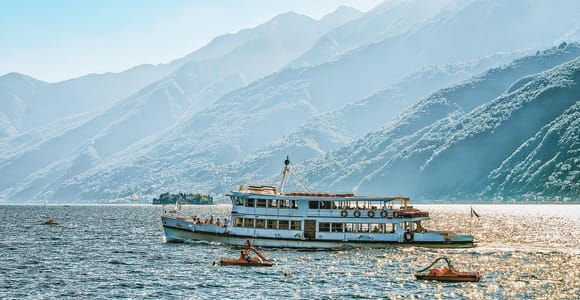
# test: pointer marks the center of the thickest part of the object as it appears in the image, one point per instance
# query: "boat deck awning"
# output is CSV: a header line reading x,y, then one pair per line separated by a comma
x,y
320,196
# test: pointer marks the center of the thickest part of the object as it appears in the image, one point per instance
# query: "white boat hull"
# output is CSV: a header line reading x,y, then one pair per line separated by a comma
x,y
177,230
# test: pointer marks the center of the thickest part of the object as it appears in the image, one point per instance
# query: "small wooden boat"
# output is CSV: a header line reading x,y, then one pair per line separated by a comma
x,y
447,273
50,222
246,260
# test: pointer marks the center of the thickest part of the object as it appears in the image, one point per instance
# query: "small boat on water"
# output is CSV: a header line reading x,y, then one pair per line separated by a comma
x,y
50,222
446,273
246,259
271,217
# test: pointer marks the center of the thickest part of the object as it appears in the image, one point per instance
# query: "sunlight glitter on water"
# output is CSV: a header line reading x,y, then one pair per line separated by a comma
x,y
525,251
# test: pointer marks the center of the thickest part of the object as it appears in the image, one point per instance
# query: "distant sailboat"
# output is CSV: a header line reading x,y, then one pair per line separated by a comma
x,y
177,208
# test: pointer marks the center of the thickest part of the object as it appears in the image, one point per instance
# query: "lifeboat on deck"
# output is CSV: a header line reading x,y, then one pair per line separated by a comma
x,y
446,273
246,259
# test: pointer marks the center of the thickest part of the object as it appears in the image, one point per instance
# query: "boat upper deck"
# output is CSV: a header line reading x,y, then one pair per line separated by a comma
x,y
269,192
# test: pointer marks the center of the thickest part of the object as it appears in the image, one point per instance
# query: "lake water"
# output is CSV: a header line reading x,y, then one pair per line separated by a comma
x,y
525,251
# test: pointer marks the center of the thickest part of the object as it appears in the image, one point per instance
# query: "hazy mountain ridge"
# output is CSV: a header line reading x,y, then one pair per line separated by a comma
x,y
189,171
48,102
414,154
353,76
160,105
337,128
246,119
230,111
389,19
15,89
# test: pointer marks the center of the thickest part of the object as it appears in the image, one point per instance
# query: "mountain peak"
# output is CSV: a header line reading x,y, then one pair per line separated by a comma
x,y
18,79
290,16
342,13
16,76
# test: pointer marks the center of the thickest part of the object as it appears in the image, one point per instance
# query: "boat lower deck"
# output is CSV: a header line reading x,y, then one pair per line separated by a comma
x,y
182,234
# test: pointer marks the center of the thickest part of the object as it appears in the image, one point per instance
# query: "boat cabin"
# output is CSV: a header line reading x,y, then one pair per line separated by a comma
x,y
262,211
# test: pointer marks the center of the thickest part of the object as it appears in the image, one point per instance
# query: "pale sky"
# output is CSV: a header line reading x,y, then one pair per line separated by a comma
x,y
61,39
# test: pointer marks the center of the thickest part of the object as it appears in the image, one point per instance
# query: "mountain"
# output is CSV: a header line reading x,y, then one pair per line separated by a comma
x,y
219,109
342,126
14,90
26,106
196,84
449,143
546,165
246,119
389,19
39,105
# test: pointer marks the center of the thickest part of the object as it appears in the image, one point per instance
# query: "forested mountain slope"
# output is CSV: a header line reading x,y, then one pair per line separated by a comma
x,y
450,142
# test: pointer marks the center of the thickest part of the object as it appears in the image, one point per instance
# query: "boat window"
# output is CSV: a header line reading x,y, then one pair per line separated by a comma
x,y
294,204
326,205
260,202
250,202
323,227
238,222
272,224
376,228
248,222
337,227
349,227
260,223
389,228
313,204
283,203
283,224
296,225
363,228
273,203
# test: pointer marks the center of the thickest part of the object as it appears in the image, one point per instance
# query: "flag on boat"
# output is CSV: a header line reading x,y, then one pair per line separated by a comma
x,y
474,213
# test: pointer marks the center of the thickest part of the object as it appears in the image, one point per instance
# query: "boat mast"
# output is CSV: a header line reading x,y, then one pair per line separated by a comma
x,y
285,174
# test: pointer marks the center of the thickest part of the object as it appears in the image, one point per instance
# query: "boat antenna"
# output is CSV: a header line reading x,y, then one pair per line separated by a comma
x,y
285,172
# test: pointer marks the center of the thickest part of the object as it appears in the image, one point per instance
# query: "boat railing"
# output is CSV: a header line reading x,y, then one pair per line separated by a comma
x,y
373,212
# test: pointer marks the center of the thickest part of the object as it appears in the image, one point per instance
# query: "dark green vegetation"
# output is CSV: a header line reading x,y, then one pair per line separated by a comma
x,y
183,198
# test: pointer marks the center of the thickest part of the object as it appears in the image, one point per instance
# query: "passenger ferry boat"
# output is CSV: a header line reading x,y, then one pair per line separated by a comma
x,y
271,218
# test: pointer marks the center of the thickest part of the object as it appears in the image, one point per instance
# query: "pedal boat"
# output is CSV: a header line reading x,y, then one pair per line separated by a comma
x,y
254,262
245,260
447,274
